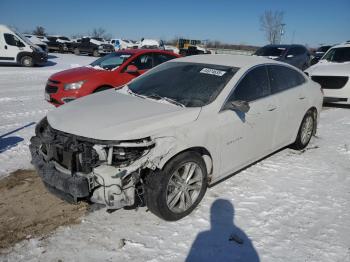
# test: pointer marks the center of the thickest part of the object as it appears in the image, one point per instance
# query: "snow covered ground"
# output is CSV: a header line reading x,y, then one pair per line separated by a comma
x,y
22,104
292,206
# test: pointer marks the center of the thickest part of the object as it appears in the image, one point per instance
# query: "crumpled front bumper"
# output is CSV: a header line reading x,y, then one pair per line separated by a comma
x,y
65,186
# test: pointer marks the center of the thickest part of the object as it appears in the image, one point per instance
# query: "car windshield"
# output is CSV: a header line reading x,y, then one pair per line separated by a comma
x,y
323,49
338,55
22,37
189,84
97,38
111,61
64,38
270,51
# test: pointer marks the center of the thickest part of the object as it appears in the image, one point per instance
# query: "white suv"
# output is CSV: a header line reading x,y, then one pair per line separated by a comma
x,y
332,72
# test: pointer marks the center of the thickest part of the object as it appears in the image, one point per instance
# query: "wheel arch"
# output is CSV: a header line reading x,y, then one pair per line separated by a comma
x,y
205,154
21,54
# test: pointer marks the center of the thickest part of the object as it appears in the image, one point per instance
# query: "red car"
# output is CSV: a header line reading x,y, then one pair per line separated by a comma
x,y
110,71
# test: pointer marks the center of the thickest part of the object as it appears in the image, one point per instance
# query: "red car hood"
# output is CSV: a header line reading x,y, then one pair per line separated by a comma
x,y
76,74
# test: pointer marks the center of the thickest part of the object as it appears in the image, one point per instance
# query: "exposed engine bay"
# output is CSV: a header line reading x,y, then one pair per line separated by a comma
x,y
105,172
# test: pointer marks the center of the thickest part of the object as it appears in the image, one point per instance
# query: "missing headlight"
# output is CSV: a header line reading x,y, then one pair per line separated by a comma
x,y
124,156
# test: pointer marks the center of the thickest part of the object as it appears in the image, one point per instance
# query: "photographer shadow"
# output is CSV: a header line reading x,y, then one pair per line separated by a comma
x,y
224,241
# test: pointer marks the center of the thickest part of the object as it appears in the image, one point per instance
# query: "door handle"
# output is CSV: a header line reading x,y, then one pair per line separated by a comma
x,y
301,97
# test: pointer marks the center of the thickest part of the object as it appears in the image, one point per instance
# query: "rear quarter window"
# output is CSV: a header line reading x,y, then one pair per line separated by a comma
x,y
283,78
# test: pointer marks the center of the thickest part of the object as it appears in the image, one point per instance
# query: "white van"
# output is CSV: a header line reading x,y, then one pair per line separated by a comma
x,y
17,49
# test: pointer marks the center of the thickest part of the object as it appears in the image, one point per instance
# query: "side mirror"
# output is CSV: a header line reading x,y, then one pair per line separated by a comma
x,y
131,69
238,105
290,56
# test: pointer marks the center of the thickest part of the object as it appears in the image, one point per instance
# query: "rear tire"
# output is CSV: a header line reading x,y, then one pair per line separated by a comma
x,y
61,50
175,192
306,131
27,61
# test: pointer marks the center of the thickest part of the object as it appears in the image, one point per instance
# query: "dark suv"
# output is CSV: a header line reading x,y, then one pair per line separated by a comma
x,y
296,55
92,46
319,53
61,44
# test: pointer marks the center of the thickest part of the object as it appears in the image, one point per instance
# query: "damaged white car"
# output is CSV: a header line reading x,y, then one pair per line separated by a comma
x,y
172,132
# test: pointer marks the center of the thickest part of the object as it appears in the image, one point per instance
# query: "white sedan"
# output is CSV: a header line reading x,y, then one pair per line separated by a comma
x,y
169,134
332,72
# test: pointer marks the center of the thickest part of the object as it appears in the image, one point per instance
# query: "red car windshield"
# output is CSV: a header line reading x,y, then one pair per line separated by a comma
x,y
111,61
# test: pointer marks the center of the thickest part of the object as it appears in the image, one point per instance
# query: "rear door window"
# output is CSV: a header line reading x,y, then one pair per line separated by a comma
x,y
296,51
283,78
143,62
253,86
161,58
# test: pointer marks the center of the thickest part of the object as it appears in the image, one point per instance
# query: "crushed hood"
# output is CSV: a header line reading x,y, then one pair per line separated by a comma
x,y
110,115
325,68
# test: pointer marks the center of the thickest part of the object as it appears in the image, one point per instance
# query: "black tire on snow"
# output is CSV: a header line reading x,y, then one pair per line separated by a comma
x,y
95,53
156,186
27,61
298,144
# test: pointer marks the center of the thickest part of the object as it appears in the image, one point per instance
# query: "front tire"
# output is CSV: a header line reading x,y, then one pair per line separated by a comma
x,y
306,130
27,61
176,191
95,53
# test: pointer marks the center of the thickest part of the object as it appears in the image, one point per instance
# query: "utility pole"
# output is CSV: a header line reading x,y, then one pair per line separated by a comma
x,y
281,31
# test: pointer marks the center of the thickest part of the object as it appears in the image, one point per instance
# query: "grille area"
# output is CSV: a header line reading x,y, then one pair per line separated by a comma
x,y
51,89
331,82
50,81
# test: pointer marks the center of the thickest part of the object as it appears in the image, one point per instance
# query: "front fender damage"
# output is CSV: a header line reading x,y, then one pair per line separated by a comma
x,y
106,172
118,186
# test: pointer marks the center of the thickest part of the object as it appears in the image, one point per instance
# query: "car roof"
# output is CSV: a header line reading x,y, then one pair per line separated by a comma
x,y
285,46
228,60
144,51
346,44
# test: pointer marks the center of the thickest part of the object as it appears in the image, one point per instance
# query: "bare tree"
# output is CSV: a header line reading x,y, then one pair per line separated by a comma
x,y
76,36
272,24
98,32
39,30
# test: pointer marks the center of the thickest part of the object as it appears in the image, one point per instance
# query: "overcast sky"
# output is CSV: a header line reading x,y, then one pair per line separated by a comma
x,y
307,22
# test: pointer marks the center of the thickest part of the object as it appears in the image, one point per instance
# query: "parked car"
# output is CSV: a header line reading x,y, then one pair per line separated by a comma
x,y
296,55
38,42
172,48
332,72
121,44
168,134
61,44
151,44
113,70
42,38
15,48
319,53
92,46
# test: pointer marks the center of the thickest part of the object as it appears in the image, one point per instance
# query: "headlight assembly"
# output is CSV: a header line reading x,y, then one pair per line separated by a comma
x,y
73,86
